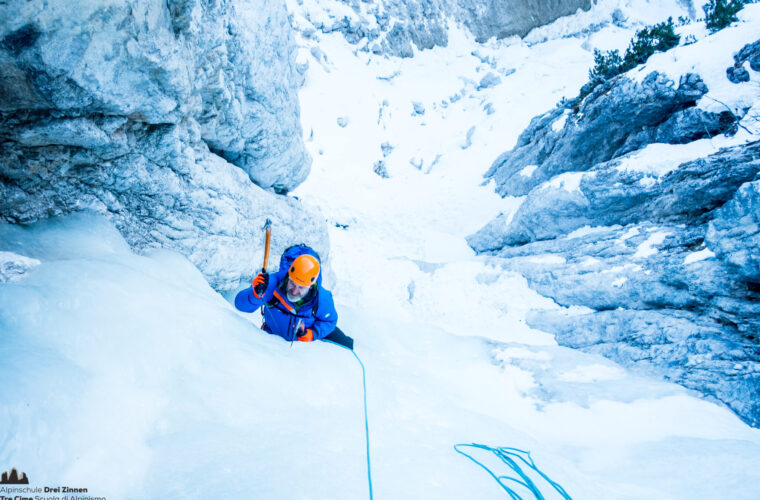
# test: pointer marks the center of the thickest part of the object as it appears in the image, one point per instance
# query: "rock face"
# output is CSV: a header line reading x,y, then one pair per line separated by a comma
x,y
662,302
618,117
503,18
734,232
662,244
749,53
696,354
394,27
159,115
228,66
610,194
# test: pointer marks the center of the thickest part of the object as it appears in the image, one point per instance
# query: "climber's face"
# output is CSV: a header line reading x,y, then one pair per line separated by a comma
x,y
296,291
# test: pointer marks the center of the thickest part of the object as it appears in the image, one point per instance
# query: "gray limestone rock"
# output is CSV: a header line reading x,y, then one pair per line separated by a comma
x,y
677,345
395,27
661,302
683,127
619,116
158,115
490,80
164,190
737,75
639,266
751,53
229,66
503,18
664,255
670,271
609,195
734,232
380,169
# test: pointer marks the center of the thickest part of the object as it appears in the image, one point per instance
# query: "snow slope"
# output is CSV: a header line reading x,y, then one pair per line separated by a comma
x,y
128,375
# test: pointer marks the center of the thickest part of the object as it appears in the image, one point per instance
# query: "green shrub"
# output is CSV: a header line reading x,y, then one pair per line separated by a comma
x,y
657,38
721,13
606,66
647,41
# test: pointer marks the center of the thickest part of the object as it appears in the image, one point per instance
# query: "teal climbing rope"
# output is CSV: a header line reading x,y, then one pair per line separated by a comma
x,y
511,457
366,423
366,420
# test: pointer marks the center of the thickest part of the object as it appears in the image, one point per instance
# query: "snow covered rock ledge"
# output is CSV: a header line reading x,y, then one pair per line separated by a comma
x,y
159,115
615,192
618,117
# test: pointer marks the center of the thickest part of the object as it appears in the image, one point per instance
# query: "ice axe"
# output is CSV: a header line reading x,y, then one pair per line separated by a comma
x,y
268,229
261,281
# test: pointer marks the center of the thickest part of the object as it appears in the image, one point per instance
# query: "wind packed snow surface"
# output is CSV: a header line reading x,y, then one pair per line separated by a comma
x,y
127,374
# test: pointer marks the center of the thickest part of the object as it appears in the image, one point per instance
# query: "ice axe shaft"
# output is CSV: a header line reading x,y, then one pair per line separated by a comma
x,y
268,228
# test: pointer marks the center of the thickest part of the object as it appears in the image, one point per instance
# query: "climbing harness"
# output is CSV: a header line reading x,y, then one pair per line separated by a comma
x,y
510,457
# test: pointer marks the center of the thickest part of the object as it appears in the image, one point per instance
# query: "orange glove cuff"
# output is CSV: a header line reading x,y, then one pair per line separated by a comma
x,y
307,337
258,280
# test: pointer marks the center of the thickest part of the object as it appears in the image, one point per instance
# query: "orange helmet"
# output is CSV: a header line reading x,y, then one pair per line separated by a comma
x,y
304,270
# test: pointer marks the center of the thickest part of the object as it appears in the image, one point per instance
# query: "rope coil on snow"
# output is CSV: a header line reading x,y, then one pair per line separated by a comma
x,y
510,456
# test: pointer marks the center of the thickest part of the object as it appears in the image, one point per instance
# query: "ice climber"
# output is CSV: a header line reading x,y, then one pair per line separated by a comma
x,y
295,305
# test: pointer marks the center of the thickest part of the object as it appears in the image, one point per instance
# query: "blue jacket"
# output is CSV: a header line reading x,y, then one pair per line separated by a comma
x,y
282,317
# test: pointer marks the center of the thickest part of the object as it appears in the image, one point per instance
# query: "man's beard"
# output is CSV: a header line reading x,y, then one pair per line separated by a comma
x,y
294,298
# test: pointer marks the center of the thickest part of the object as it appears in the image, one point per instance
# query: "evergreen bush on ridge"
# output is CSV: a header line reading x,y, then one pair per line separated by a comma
x,y
645,43
721,13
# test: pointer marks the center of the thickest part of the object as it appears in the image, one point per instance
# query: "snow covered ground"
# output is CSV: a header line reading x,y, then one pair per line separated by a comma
x,y
128,375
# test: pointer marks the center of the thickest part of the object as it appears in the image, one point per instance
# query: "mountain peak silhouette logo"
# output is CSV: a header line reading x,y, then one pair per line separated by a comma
x,y
12,477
